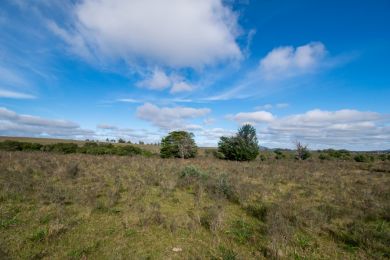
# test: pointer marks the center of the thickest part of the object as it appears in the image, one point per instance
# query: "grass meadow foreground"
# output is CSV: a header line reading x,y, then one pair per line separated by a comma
x,y
80,206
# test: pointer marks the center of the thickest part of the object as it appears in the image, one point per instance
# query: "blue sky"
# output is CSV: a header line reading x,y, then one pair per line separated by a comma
x,y
312,71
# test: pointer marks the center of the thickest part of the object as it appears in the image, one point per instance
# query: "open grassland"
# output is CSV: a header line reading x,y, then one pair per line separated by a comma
x,y
79,206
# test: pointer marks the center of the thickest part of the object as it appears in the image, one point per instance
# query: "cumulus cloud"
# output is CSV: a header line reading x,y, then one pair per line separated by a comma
x,y
169,117
253,117
181,87
351,129
158,80
288,61
13,123
15,95
176,33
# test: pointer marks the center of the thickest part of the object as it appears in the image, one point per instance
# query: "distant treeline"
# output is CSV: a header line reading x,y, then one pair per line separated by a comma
x,y
67,148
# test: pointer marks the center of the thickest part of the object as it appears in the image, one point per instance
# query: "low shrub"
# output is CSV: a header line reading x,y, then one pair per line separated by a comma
x,y
324,156
338,154
363,158
279,154
9,145
242,232
191,171
224,186
68,148
258,210
190,175
64,148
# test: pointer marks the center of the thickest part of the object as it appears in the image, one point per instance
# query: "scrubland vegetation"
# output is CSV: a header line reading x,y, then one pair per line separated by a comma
x,y
59,205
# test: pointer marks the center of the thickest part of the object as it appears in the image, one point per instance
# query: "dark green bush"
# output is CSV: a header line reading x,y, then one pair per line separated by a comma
x,y
218,155
64,148
9,145
179,144
324,156
279,154
241,147
338,154
363,158
67,148
258,210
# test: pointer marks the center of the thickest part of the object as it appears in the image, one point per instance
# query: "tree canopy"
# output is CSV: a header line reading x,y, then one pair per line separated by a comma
x,y
241,147
178,144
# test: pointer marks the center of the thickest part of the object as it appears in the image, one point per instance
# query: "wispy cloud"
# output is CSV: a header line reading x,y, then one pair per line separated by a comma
x,y
13,123
282,67
271,106
15,95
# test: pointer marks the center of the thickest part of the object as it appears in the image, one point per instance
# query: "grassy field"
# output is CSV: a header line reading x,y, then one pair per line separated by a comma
x,y
78,206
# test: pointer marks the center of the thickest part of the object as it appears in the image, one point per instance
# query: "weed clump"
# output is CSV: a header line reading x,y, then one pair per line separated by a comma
x,y
241,231
212,218
258,211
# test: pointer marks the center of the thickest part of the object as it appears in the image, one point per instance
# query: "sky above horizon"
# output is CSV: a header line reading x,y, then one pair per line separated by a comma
x,y
317,72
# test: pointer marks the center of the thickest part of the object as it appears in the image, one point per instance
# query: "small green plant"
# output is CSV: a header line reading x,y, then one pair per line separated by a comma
x,y
191,171
38,235
225,186
227,253
242,232
258,210
5,223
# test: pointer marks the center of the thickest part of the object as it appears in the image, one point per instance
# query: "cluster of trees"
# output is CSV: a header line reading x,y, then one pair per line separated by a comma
x,y
241,147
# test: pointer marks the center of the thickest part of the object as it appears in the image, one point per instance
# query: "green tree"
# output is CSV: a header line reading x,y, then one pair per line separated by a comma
x,y
178,144
241,147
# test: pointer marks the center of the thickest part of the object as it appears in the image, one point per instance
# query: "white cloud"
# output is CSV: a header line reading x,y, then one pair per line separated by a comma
x,y
351,129
15,95
157,81
12,77
288,61
346,128
106,127
265,107
181,87
129,100
271,106
176,33
209,121
169,117
253,117
76,42
12,123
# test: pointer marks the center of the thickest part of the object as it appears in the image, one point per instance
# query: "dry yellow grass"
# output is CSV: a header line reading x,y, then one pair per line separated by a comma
x,y
78,206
